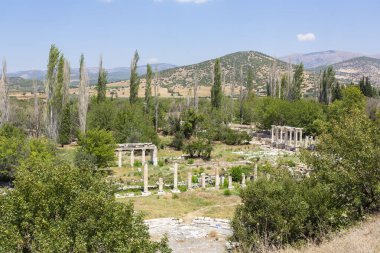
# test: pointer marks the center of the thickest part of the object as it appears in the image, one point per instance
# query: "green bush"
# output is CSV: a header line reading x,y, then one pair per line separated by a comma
x,y
236,172
198,147
227,192
284,211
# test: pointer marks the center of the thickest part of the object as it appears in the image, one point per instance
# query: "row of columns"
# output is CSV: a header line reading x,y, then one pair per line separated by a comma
x,y
153,154
218,180
289,137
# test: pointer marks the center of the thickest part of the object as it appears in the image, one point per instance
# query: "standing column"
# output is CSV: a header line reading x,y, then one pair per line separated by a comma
x,y
160,186
143,156
154,156
272,133
217,179
230,186
296,137
222,181
203,181
301,136
120,159
132,158
281,140
255,173
175,183
189,181
146,191
243,180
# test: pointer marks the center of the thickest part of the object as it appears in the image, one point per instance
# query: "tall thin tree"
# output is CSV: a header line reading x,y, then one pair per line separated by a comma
x,y
4,101
134,79
216,90
148,87
50,87
102,82
83,95
156,103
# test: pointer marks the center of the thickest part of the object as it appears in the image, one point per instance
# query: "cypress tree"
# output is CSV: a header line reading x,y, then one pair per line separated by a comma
x,y
102,82
298,79
134,80
148,86
216,90
327,85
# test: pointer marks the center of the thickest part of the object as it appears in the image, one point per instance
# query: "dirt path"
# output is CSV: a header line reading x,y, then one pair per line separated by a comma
x,y
362,238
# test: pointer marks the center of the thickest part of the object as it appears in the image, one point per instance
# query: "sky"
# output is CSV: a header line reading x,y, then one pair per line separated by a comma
x,y
181,32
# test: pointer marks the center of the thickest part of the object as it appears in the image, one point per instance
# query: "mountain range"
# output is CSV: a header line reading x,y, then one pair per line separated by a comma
x,y
348,66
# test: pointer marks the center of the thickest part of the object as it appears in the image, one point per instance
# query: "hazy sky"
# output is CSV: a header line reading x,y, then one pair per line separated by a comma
x,y
181,31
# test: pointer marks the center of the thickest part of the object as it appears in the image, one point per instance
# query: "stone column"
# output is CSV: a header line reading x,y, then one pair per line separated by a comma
x,y
175,181
203,181
296,137
154,156
281,140
272,133
243,180
120,159
255,173
143,156
132,158
222,181
160,186
189,181
230,186
146,191
217,179
301,135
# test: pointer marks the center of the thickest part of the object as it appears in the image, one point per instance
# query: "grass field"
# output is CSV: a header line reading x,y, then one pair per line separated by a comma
x,y
187,205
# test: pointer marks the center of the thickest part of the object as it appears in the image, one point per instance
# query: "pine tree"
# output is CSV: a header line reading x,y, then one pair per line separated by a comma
x,y
366,87
216,90
4,101
64,136
102,82
148,86
83,95
134,80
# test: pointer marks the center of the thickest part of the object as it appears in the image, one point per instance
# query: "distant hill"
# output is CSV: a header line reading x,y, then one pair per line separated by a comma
x,y
355,69
316,59
231,65
114,74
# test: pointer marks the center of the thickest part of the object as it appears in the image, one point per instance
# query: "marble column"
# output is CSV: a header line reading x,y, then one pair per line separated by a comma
x,y
243,180
217,179
296,137
120,159
160,186
203,181
146,191
175,182
154,156
273,129
301,135
222,181
189,181
255,173
143,156
230,186
281,133
132,158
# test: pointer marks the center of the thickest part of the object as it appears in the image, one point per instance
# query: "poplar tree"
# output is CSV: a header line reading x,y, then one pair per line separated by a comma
x,y
4,102
102,82
50,87
148,86
326,85
298,78
216,90
134,80
83,95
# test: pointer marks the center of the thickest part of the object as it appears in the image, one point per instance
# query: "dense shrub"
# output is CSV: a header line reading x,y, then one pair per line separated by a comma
x,y
198,147
236,172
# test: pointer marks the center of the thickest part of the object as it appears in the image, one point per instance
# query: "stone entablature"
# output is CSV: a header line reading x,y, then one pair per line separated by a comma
x,y
132,147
